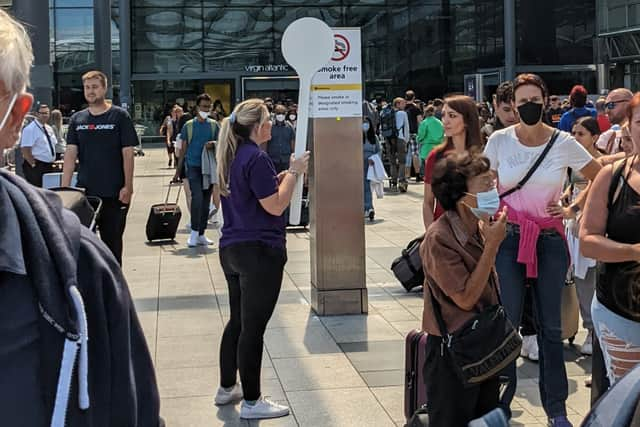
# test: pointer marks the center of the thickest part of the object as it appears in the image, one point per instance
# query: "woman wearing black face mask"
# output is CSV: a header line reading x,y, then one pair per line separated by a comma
x,y
535,246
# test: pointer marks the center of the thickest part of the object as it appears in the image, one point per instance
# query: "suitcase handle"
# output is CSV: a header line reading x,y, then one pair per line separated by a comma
x,y
171,184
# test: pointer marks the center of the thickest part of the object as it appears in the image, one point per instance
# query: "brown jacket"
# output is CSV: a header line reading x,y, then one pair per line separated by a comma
x,y
449,256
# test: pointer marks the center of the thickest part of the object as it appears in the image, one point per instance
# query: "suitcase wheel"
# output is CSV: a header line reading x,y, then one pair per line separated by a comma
x,y
372,215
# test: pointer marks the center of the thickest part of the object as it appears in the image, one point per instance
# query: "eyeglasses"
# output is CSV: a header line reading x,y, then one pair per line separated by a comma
x,y
611,105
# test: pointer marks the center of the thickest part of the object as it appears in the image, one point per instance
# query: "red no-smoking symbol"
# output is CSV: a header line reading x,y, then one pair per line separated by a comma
x,y
342,49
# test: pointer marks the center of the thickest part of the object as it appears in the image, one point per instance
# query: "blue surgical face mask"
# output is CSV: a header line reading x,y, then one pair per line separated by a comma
x,y
365,126
488,203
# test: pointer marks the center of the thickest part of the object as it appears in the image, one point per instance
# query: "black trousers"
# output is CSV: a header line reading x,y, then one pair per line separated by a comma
x,y
450,404
33,175
111,224
254,275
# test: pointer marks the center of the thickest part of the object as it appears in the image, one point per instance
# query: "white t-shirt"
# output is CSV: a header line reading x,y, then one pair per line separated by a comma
x,y
512,160
34,136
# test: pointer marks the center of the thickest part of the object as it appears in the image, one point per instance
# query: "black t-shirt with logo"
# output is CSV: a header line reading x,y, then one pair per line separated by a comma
x,y
412,112
100,140
554,115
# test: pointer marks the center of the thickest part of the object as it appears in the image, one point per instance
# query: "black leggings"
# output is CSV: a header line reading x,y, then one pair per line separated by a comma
x,y
254,275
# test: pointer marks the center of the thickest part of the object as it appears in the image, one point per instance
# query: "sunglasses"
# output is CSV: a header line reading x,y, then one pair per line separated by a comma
x,y
611,105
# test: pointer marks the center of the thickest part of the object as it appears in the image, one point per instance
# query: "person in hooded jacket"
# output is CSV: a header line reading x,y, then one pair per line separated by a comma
x,y
72,352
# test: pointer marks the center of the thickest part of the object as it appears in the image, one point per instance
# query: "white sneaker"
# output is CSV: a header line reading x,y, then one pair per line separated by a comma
x,y
587,346
224,397
262,409
202,240
192,242
530,348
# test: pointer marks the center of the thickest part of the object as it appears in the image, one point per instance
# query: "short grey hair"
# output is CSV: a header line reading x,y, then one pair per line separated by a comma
x,y
16,54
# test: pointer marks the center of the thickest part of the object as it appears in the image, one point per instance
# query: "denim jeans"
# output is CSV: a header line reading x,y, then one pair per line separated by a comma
x,y
368,199
553,263
200,199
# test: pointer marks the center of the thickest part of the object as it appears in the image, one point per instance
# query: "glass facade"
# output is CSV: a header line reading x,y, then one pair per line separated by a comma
x,y
72,49
181,47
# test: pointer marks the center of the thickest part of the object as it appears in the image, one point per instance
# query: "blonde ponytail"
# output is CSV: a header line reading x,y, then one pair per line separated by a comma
x,y
235,129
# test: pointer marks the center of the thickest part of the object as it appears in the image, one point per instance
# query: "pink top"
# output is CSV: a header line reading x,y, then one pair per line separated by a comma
x,y
530,228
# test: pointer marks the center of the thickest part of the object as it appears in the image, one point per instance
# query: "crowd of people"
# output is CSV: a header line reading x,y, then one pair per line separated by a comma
x,y
519,194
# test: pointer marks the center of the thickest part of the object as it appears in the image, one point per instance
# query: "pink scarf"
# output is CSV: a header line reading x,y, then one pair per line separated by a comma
x,y
530,228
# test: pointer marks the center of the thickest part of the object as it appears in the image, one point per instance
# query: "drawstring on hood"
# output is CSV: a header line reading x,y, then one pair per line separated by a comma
x,y
46,229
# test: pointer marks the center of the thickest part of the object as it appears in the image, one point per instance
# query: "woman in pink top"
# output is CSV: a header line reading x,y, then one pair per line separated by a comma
x,y
535,245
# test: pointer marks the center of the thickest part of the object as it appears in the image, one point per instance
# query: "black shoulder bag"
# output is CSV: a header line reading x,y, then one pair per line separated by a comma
x,y
537,163
484,345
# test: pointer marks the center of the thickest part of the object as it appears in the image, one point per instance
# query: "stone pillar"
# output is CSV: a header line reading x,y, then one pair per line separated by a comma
x,y
338,274
29,12
125,53
509,39
102,40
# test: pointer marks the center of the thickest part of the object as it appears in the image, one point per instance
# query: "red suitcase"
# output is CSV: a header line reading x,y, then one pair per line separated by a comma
x,y
415,391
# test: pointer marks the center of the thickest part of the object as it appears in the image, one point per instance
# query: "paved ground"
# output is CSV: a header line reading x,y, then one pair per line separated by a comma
x,y
332,371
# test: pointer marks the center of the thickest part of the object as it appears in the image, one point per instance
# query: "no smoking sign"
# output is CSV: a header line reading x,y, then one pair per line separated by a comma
x,y
342,48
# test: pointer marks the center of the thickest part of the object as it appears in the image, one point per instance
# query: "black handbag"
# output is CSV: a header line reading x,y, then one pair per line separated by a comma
x,y
408,267
484,345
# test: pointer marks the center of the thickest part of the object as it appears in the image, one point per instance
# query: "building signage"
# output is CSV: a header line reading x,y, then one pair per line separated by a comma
x,y
269,68
336,89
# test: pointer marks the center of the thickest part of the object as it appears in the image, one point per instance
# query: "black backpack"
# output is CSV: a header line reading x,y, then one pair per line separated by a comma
x,y
388,122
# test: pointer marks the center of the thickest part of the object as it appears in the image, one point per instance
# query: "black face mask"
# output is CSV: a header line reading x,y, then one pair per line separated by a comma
x,y
530,113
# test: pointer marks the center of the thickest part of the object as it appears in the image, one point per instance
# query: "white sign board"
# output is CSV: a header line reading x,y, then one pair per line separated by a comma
x,y
336,89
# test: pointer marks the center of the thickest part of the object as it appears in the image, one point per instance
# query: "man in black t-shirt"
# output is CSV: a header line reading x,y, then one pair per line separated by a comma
x,y
102,138
555,111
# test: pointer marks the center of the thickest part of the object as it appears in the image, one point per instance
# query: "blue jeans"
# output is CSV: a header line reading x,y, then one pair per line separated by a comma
x,y
553,263
200,199
368,199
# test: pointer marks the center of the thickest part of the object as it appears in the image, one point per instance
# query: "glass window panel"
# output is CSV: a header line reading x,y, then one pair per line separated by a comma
x,y
227,3
73,3
634,15
305,2
74,29
167,61
75,61
237,29
283,16
617,18
171,28
246,61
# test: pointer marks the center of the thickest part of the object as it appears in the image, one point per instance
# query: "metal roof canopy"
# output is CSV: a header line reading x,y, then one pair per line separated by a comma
x,y
621,46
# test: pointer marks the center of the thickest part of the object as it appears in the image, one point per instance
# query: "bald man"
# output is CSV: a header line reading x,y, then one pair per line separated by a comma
x,y
616,109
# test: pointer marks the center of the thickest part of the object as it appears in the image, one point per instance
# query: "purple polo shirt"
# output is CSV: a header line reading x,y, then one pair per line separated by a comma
x,y
252,177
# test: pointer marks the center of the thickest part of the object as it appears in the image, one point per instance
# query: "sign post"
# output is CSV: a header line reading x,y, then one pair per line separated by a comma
x,y
338,273
307,44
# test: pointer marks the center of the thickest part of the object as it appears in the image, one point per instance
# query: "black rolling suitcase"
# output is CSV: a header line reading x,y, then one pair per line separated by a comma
x,y
415,390
164,218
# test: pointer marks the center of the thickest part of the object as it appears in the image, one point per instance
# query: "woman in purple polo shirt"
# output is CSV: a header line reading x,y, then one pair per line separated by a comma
x,y
252,250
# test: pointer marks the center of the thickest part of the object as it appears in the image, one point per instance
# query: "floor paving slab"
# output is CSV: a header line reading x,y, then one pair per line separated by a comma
x,y
353,407
317,373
